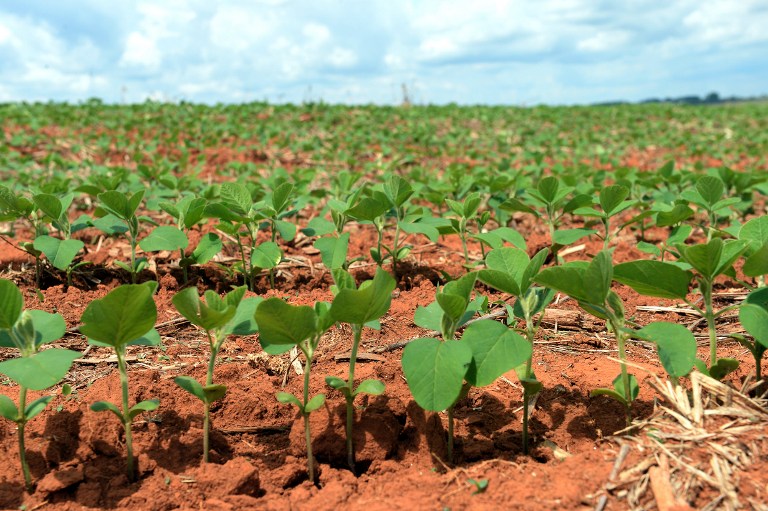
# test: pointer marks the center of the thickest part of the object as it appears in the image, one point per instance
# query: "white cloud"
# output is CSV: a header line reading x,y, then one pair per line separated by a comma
x,y
445,50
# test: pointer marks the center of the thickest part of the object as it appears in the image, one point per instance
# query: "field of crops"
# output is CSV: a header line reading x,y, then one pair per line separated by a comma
x,y
328,307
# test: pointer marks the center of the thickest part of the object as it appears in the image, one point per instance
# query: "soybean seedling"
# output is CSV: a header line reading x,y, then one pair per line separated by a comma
x,y
441,372
359,308
511,271
125,317
27,331
282,326
220,318
753,314
123,208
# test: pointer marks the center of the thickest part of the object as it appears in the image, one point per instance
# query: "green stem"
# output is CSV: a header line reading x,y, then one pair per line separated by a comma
x,y
709,315
307,433
621,339
207,412
246,274
22,422
607,238
530,333
357,330
121,366
396,249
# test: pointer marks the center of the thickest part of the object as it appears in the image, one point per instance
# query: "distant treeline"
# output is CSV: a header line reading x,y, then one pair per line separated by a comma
x,y
713,98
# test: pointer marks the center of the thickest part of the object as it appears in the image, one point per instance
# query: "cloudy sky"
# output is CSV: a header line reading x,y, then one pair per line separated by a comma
x,y
360,51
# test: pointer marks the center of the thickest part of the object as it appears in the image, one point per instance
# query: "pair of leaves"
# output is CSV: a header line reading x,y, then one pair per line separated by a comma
x,y
588,283
125,316
436,370
131,413
9,411
510,270
60,253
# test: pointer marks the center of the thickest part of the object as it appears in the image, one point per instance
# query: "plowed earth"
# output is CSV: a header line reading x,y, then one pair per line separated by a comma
x,y
77,456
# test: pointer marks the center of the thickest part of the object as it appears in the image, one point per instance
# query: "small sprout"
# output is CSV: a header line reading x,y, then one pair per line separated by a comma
x,y
480,485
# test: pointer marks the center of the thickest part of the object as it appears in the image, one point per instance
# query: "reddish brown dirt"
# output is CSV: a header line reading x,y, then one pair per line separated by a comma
x,y
258,456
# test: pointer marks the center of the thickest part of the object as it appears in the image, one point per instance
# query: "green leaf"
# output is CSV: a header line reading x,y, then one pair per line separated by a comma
x,y
209,245
705,257
634,388
723,367
427,230
198,312
610,393
496,349
676,344
11,304
281,197
369,302
40,370
191,385
654,278
565,279
236,197
755,232
513,204
429,317
125,314
144,406
116,203
289,399
710,188
49,204
612,197
757,264
60,253
372,387
314,403
336,383
38,405
435,371
568,236
367,210
506,267
280,323
106,406
165,237
676,215
266,256
8,408
755,320
286,229
333,251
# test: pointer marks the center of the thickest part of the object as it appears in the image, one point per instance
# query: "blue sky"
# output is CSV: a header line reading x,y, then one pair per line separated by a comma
x,y
360,51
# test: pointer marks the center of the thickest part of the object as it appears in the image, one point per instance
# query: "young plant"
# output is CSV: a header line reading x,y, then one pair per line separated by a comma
x,y
359,308
753,314
708,261
590,285
124,317
441,372
708,195
466,212
27,331
220,318
283,326
551,201
511,271
118,214
60,253
612,201
755,233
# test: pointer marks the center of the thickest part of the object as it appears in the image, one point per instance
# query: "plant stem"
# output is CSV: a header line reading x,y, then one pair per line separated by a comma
x,y
130,470
621,339
709,315
22,422
530,333
358,331
246,274
207,411
307,433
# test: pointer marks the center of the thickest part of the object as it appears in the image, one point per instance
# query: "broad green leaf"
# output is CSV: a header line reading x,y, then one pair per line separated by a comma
x,y
333,250
244,322
60,253
496,349
710,188
598,277
634,388
435,371
191,385
110,224
610,393
49,204
755,320
705,257
654,278
757,264
758,297
371,387
367,210
314,403
116,203
8,408
500,280
143,406
453,306
280,323
198,312
266,256
548,188
509,261
319,226
236,197
532,269
11,304
427,230
676,344
38,405
289,399
209,245
286,229
40,370
281,196
429,317
568,236
48,327
755,232
566,279
165,237
676,215
125,314
359,306
513,204
612,197
106,406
